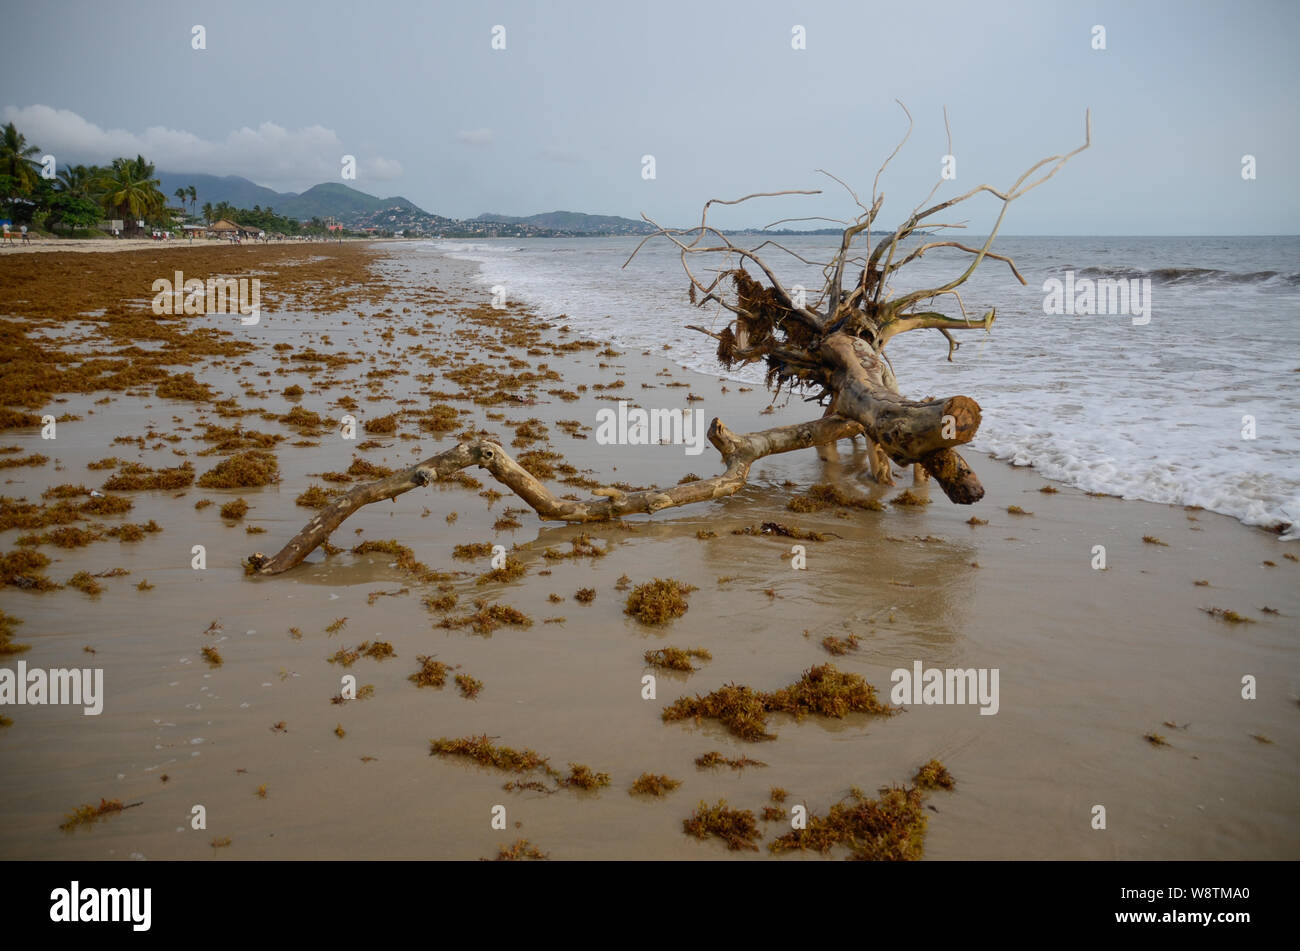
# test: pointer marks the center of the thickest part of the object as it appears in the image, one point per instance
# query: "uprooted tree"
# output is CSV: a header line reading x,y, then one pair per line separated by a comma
x,y
830,348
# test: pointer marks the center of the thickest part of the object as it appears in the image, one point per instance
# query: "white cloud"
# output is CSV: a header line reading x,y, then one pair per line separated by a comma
x,y
269,155
476,137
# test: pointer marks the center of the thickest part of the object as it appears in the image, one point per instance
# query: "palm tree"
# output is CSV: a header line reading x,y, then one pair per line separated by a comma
x,y
131,190
15,159
143,168
78,181
194,196
207,212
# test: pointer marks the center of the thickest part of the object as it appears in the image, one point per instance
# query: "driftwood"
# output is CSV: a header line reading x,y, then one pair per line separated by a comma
x,y
738,452
832,348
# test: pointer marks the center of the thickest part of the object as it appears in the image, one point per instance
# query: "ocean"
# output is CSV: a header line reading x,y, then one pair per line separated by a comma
x,y
1159,404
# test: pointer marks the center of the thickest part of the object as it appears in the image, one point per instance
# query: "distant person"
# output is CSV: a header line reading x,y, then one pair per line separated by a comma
x,y
26,238
9,238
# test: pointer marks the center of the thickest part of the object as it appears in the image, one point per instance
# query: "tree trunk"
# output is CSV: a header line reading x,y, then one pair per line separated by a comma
x,y
908,431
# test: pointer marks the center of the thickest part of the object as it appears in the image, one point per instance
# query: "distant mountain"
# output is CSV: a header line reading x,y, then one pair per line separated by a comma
x,y
357,210
573,222
340,201
240,192
327,200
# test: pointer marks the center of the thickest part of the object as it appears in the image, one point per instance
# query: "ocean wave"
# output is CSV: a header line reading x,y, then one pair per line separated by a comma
x,y
1193,275
471,248
1251,497
1129,430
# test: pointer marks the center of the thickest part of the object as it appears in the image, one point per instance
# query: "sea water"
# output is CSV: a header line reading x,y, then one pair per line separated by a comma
x,y
1160,409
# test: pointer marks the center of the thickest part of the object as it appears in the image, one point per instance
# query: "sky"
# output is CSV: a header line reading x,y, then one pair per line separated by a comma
x,y
717,93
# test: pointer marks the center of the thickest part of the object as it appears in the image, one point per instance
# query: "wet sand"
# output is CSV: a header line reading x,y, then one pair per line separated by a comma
x,y
1090,661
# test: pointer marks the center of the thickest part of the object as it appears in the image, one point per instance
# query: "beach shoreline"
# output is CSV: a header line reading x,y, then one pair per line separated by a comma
x,y
1092,662
47,245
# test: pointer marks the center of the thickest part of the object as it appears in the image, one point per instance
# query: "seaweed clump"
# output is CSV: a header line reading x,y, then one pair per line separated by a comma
x,y
469,687
891,828
1226,614
131,532
403,557
675,658
825,496
432,673
934,775
736,827
714,758
908,497
7,646
250,469
653,784
483,751
134,477
824,691
88,814
580,546
378,650
512,569
582,777
85,581
840,645
23,569
522,850
658,601
314,497
382,425
487,618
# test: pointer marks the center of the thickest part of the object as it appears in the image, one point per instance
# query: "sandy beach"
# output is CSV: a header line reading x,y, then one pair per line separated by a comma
x,y
41,244
1119,688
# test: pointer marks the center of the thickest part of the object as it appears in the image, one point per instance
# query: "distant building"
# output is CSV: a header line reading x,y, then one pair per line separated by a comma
x,y
226,228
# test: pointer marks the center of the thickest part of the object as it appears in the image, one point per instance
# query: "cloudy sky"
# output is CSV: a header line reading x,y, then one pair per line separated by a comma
x,y
562,117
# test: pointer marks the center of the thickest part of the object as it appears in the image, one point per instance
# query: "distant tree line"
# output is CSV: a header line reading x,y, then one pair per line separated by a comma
x,y
78,197
263,218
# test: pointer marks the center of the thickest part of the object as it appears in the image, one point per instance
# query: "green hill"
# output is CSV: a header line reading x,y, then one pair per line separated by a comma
x,y
214,189
576,222
333,199
327,200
